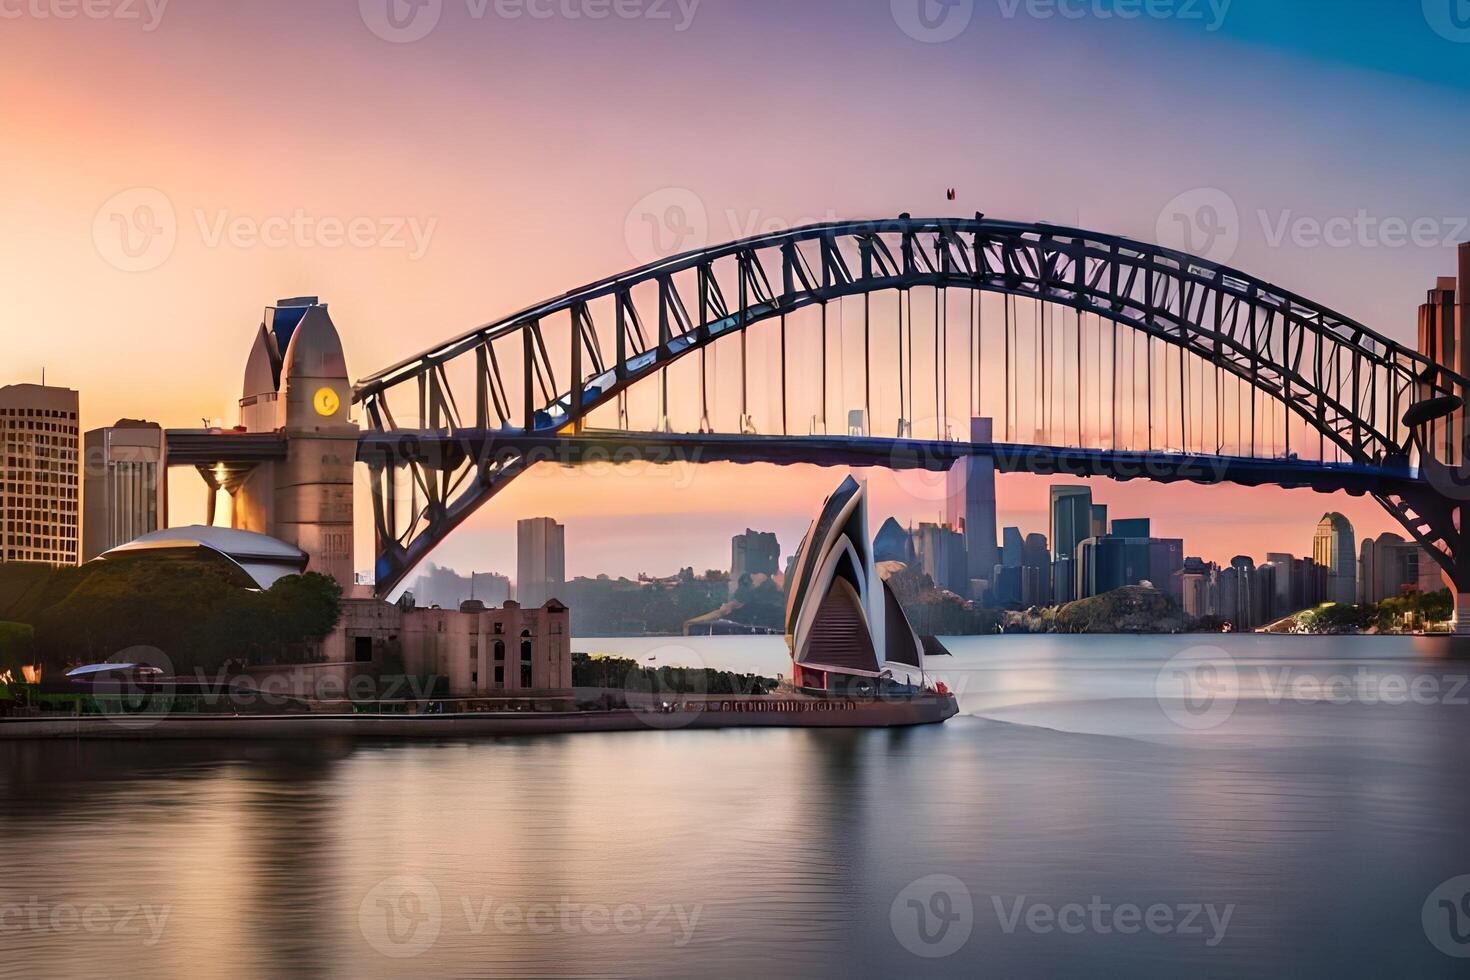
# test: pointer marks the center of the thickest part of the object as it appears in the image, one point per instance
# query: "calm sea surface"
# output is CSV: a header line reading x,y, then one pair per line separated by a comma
x,y
1102,807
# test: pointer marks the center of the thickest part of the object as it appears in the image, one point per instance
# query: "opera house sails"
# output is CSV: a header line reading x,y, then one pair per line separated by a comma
x,y
845,627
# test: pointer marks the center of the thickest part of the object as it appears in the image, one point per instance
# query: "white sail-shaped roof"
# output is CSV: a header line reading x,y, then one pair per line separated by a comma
x,y
840,616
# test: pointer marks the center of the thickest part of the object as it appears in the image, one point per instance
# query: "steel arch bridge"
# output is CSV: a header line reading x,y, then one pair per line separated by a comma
x,y
449,428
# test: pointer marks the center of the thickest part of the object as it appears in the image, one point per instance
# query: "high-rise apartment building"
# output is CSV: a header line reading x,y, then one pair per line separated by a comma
x,y
1444,337
1238,603
1013,549
970,506
940,552
124,485
447,589
1071,520
753,553
1114,561
1133,527
1200,596
1389,566
1035,571
541,560
39,474
1334,549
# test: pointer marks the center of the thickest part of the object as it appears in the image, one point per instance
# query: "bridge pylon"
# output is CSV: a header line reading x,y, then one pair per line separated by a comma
x,y
1436,512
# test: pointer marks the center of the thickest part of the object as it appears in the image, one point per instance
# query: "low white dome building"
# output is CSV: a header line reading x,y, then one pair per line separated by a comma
x,y
254,561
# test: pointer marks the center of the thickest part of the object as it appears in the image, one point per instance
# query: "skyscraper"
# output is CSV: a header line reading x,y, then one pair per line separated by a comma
x,y
1442,338
1334,549
1011,554
1071,524
446,588
541,560
970,504
1035,571
1199,586
1237,599
753,553
1282,600
940,551
39,474
1166,566
1110,562
1071,520
1390,566
125,485
1113,561
1133,527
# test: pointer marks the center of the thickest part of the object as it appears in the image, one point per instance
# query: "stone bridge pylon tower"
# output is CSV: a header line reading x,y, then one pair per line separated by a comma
x,y
297,389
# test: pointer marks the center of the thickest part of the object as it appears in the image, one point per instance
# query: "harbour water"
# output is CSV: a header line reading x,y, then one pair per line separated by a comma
x,y
1300,812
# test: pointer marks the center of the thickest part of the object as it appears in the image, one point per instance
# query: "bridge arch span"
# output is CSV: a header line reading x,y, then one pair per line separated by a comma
x,y
538,375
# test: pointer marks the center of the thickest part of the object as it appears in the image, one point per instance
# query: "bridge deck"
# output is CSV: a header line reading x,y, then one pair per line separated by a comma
x,y
900,454
204,447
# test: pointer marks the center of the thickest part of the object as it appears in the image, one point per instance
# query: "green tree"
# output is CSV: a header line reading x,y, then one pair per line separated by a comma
x,y
195,614
17,647
303,609
761,605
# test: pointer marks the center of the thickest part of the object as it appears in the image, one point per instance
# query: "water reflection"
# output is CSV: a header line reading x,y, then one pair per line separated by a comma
x,y
1322,825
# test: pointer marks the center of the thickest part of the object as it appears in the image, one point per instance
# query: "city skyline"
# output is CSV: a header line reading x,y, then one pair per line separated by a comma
x,y
1117,527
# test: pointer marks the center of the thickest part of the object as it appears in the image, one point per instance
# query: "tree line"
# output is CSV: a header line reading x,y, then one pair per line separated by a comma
x,y
192,614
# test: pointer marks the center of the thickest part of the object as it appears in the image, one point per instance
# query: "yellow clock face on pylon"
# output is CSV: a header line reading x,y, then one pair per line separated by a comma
x,y
326,402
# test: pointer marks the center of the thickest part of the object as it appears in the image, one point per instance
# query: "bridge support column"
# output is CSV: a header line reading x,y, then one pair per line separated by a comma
x,y
1460,623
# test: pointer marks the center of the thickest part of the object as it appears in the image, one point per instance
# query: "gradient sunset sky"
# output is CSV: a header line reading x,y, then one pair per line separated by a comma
x,y
525,151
